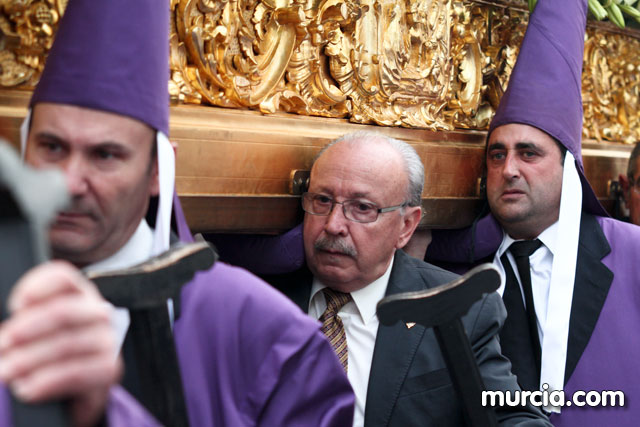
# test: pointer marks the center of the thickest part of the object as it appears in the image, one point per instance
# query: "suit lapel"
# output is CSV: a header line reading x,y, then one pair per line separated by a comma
x,y
394,350
592,283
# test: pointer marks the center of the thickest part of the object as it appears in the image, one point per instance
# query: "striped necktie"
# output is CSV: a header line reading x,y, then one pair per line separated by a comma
x,y
332,324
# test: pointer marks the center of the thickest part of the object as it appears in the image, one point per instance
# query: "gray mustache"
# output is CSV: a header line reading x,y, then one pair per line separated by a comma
x,y
336,245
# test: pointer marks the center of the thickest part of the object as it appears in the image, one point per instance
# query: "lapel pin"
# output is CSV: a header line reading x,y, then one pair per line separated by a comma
x,y
410,325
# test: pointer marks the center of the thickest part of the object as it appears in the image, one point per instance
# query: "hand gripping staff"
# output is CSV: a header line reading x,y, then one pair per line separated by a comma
x,y
144,289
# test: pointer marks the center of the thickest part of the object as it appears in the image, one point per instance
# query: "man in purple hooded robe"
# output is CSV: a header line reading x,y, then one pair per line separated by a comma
x,y
584,283
246,354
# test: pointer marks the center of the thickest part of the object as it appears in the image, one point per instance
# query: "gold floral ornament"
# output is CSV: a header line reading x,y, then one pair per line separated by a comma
x,y
237,51
611,87
424,63
385,62
29,27
402,64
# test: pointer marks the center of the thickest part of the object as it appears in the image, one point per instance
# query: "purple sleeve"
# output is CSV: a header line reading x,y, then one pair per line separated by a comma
x,y
309,389
124,411
250,356
5,411
465,245
260,254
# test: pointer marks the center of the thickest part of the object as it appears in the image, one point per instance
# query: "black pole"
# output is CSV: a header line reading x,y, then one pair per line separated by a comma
x,y
464,373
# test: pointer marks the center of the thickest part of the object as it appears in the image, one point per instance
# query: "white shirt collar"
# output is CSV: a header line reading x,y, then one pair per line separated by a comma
x,y
548,237
366,298
137,250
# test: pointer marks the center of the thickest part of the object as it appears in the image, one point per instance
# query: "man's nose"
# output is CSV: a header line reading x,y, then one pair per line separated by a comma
x,y
336,222
511,169
77,175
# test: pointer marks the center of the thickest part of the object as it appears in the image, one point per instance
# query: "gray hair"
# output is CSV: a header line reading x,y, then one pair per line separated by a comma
x,y
631,169
412,164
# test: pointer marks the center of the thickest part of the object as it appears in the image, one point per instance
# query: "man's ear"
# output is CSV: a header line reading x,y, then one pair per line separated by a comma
x,y
624,184
410,221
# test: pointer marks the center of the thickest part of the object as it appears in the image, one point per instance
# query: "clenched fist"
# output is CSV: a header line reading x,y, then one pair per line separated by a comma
x,y
58,342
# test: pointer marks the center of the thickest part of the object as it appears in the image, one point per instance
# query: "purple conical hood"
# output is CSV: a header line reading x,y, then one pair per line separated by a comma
x,y
545,88
111,55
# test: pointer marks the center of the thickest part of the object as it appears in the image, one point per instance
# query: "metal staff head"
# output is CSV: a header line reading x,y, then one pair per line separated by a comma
x,y
30,196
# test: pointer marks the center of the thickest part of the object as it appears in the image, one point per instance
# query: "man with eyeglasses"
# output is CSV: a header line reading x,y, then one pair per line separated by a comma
x,y
631,186
363,205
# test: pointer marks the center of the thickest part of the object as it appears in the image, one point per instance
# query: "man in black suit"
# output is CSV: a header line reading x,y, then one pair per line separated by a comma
x,y
363,205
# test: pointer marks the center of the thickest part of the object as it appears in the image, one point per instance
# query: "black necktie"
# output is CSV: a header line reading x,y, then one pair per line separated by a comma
x,y
519,336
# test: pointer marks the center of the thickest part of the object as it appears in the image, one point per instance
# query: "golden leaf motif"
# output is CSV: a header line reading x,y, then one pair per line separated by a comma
x,y
610,87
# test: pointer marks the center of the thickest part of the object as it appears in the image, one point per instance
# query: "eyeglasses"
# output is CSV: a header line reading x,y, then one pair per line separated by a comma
x,y
353,210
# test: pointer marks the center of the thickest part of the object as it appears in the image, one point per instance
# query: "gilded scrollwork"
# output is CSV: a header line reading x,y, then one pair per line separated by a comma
x,y
29,26
485,50
402,64
611,87
436,64
237,51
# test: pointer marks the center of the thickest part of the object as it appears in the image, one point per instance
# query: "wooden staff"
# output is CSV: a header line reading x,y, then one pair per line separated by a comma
x,y
441,308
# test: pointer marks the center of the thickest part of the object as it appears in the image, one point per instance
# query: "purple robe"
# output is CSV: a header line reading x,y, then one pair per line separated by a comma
x,y
277,254
249,356
122,410
611,358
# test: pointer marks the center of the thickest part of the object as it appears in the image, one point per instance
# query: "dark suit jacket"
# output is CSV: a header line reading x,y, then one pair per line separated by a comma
x,y
590,289
409,384
591,285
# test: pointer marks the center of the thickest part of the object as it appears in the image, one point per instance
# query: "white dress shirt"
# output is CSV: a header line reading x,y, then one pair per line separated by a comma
x,y
541,263
135,251
361,327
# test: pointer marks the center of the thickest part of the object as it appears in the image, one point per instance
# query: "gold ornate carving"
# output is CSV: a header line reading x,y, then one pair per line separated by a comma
x,y
611,87
29,27
386,62
437,64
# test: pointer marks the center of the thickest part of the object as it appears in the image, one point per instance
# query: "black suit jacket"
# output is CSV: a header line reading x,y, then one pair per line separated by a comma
x,y
409,384
590,289
591,286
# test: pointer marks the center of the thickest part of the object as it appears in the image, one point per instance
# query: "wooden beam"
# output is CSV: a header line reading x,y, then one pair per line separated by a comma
x,y
234,167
